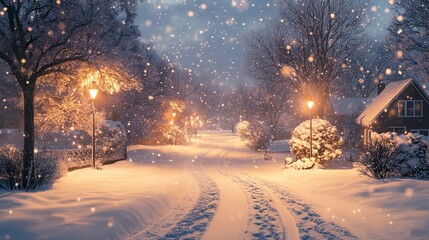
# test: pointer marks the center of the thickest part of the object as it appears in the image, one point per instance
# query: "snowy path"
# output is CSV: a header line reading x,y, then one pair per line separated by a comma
x,y
232,211
264,221
232,204
195,223
187,220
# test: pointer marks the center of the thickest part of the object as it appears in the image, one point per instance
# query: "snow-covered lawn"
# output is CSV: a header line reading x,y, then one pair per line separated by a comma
x,y
215,188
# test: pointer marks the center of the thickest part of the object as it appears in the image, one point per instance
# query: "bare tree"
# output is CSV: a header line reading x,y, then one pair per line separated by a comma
x,y
184,84
269,91
140,110
39,37
310,47
264,101
408,38
366,69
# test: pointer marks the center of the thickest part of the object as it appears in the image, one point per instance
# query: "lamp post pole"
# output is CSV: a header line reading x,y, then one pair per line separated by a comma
x,y
311,133
93,93
310,105
93,133
174,130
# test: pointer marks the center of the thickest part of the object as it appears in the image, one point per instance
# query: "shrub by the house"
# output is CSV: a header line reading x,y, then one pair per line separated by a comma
x,y
379,159
389,154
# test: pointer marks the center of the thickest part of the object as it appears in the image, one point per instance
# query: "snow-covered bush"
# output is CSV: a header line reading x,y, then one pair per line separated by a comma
x,y
111,138
243,129
303,163
412,156
257,135
176,134
326,142
43,171
171,128
408,152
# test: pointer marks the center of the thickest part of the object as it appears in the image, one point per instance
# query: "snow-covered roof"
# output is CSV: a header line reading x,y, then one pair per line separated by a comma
x,y
349,106
382,101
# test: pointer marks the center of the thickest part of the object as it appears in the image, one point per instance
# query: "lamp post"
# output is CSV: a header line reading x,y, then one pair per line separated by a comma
x,y
174,130
93,93
310,105
191,121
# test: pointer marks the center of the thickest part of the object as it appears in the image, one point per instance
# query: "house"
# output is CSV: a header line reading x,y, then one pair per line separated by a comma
x,y
400,107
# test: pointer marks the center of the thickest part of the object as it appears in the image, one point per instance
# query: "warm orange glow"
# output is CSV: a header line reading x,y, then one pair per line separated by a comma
x,y
93,93
310,104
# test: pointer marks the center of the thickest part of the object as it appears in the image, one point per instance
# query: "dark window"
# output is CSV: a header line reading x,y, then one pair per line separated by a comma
x,y
401,108
419,108
398,130
424,132
410,108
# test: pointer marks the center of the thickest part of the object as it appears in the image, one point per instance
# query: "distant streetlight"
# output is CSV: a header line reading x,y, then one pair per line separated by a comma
x,y
310,105
93,93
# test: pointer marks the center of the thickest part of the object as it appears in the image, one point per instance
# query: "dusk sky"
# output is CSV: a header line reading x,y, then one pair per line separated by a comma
x,y
207,36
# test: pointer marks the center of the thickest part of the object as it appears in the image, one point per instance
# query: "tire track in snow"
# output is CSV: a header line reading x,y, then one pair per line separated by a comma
x,y
264,221
194,224
184,222
310,224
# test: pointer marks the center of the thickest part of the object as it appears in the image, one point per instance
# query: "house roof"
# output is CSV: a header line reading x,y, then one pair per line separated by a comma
x,y
383,100
349,106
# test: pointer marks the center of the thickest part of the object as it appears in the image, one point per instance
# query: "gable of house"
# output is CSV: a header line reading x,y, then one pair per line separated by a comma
x,y
400,108
381,102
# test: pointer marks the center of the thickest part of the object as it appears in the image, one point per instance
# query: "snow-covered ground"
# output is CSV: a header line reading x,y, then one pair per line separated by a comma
x,y
215,188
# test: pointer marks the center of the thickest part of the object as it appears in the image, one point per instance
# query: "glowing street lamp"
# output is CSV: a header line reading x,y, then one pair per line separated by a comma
x,y
93,94
310,105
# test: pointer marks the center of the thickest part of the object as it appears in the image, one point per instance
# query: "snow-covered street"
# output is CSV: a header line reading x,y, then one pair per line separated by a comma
x,y
215,188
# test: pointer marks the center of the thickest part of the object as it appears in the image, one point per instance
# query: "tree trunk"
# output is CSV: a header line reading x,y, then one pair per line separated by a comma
x,y
274,132
28,160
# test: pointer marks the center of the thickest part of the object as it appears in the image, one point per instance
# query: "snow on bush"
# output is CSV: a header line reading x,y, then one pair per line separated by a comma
x,y
257,135
171,134
111,139
389,154
326,142
42,172
243,129
303,163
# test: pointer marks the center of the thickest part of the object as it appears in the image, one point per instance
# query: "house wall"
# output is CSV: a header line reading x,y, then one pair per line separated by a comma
x,y
390,118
